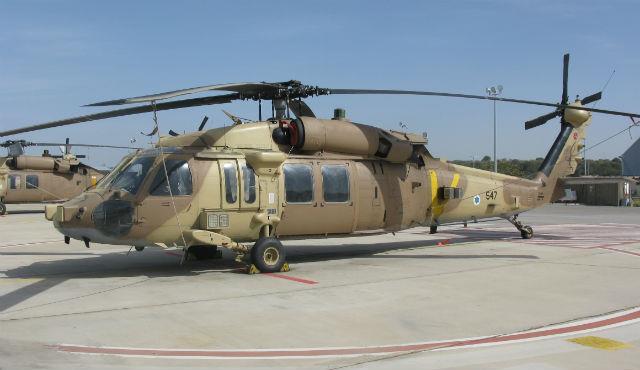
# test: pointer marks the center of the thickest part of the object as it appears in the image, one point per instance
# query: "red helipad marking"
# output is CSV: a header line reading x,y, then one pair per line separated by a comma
x,y
575,328
621,251
292,278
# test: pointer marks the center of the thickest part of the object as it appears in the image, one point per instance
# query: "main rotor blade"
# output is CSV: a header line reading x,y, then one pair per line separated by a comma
x,y
81,145
481,97
565,79
434,93
209,100
249,88
300,108
591,98
540,120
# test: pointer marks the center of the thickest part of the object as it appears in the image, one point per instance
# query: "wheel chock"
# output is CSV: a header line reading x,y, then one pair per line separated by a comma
x,y
285,267
252,269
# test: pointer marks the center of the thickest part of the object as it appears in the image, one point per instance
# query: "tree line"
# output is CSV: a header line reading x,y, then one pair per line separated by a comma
x,y
528,167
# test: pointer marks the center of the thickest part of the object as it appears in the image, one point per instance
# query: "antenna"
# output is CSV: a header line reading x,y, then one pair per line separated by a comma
x,y
204,122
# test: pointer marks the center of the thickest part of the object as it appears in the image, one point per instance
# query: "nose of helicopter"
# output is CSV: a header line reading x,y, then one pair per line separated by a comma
x,y
89,217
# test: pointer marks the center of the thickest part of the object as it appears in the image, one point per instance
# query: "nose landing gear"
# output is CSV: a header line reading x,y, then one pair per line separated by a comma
x,y
525,230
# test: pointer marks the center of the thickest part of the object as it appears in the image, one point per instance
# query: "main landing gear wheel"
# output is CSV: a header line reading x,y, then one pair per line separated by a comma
x,y
526,232
3,209
268,255
433,229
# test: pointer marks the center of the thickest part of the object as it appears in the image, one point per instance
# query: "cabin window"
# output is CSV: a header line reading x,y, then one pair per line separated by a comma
x,y
249,182
32,182
298,183
230,182
14,182
179,179
335,183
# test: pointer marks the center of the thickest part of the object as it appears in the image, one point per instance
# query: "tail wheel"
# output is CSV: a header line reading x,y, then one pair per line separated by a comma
x,y
526,232
3,209
268,255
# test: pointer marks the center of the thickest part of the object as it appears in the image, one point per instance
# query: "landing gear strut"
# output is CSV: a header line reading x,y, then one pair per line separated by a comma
x,y
525,230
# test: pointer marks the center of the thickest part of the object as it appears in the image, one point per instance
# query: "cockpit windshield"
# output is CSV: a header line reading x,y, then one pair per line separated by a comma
x,y
108,179
130,176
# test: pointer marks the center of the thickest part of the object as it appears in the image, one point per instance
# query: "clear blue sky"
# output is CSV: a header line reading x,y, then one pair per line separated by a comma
x,y
56,56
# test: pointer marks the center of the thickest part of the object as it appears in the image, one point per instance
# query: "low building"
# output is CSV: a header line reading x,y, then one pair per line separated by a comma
x,y
601,190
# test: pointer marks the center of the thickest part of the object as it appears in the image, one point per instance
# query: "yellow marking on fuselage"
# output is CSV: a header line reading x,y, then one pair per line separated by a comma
x,y
436,204
454,182
434,187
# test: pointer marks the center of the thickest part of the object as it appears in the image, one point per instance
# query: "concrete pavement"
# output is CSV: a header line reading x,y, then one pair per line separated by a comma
x,y
456,299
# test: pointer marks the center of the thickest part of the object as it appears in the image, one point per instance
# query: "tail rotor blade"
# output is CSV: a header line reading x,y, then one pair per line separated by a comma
x,y
540,120
565,79
591,98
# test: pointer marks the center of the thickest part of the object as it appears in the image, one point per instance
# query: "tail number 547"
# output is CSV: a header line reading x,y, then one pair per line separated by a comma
x,y
491,194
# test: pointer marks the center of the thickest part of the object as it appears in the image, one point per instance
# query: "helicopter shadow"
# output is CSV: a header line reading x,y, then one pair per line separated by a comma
x,y
155,263
323,252
158,263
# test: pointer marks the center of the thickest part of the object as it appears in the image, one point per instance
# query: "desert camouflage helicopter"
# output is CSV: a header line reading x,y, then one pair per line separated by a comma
x,y
257,182
45,178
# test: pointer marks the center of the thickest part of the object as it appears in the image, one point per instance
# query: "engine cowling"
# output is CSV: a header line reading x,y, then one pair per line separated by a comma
x,y
309,134
25,162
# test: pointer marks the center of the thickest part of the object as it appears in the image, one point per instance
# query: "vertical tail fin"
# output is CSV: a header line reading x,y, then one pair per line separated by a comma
x,y
564,156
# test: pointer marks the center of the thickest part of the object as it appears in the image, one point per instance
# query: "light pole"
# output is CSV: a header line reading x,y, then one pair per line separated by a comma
x,y
494,91
621,165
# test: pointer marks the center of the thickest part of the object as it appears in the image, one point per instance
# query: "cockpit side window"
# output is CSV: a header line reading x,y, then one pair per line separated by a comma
x,y
132,176
179,179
